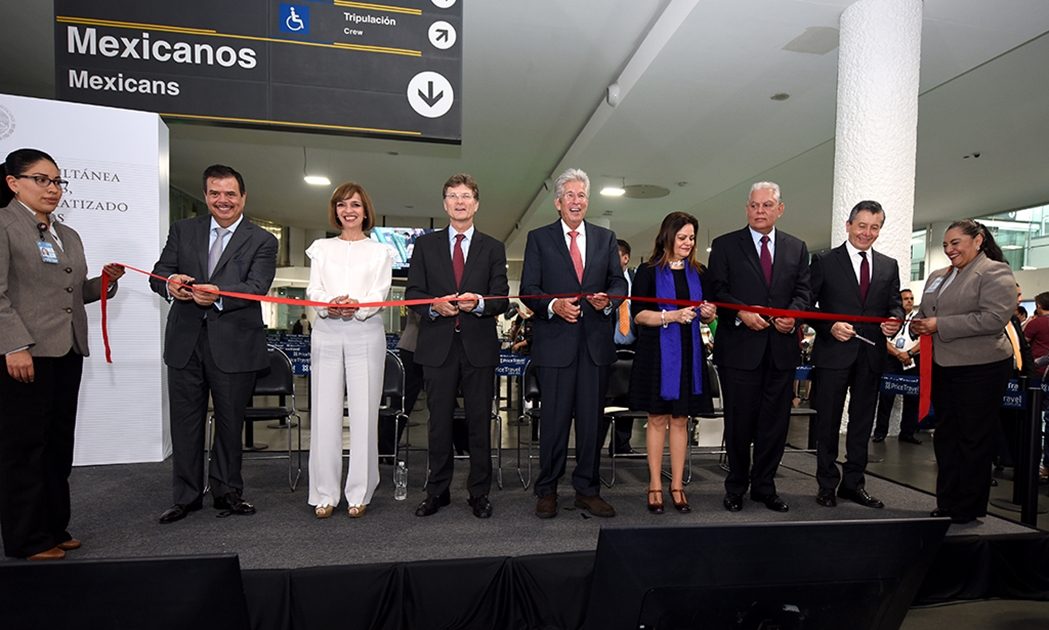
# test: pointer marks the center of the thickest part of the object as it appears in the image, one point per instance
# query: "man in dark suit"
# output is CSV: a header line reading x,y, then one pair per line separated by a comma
x,y
458,345
850,357
756,356
213,345
572,340
903,349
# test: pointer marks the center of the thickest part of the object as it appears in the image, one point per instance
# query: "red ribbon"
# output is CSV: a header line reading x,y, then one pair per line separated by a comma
x,y
924,376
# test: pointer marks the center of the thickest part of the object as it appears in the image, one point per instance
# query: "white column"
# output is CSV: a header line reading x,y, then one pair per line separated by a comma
x,y
877,119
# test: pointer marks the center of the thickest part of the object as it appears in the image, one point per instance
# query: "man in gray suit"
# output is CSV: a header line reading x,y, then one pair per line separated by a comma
x,y
213,345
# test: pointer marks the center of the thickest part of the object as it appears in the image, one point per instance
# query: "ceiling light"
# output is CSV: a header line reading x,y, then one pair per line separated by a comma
x,y
1027,268
1012,246
613,191
317,180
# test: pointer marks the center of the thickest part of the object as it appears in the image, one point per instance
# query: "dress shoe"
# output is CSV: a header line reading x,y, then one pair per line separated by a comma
x,y
825,497
733,502
910,439
878,438
481,505
771,501
432,503
324,511
232,503
51,554
653,506
595,505
69,545
940,513
682,505
860,496
356,511
546,506
178,512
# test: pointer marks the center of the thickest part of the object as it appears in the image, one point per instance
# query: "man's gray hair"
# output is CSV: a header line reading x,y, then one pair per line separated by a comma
x,y
571,175
774,187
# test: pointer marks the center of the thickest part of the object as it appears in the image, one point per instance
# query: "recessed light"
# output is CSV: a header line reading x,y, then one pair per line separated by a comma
x,y
317,180
613,191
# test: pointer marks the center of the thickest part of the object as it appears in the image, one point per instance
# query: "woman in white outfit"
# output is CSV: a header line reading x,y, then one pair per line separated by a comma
x,y
348,348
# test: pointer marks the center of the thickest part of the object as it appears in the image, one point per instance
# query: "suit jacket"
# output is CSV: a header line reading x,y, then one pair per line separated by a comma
x,y
971,313
237,333
42,304
736,277
548,270
835,289
431,275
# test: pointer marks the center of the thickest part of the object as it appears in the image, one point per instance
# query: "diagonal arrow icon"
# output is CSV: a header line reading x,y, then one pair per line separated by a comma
x,y
442,34
431,99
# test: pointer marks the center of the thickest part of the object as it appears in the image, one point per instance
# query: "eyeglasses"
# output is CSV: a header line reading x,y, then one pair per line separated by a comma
x,y
44,181
463,196
768,205
571,196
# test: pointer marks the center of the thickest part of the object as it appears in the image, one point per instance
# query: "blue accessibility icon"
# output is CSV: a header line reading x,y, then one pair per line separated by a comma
x,y
294,18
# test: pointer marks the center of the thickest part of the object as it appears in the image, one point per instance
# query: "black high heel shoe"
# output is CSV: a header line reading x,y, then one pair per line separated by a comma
x,y
683,505
655,508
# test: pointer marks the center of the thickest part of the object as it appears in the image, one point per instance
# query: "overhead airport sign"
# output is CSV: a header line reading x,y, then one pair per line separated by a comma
x,y
388,70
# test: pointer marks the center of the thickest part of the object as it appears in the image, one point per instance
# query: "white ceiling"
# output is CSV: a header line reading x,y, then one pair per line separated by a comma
x,y
696,79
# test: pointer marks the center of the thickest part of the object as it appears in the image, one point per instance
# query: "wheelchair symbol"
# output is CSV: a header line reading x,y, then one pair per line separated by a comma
x,y
294,22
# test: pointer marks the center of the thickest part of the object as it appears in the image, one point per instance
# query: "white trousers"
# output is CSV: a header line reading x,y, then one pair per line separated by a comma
x,y
346,356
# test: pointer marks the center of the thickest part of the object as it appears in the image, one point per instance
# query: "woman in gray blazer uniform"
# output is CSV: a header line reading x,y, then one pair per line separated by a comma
x,y
966,307
43,337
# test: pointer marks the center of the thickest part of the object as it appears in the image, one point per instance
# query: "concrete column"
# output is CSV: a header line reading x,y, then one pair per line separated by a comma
x,y
877,119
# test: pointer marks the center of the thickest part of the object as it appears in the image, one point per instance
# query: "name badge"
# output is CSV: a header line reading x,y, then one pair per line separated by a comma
x,y
47,252
935,285
900,342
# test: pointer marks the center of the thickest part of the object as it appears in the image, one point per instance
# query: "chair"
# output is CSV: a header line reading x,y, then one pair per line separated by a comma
x,y
276,380
616,398
530,410
392,407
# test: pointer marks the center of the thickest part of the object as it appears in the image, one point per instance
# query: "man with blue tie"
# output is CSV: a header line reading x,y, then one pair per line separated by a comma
x,y
213,346
458,344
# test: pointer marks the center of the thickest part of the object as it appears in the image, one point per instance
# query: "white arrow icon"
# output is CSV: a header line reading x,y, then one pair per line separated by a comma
x,y
430,94
442,35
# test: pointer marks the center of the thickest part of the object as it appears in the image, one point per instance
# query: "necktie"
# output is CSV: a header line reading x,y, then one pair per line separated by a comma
x,y
1015,341
766,259
865,276
216,250
577,258
624,318
458,260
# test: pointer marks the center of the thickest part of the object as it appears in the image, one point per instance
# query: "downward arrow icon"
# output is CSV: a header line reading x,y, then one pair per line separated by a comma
x,y
431,99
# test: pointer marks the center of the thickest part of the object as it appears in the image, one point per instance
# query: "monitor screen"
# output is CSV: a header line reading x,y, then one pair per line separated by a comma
x,y
402,240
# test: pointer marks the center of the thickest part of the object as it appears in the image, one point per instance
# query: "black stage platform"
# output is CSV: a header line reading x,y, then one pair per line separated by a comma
x,y
391,569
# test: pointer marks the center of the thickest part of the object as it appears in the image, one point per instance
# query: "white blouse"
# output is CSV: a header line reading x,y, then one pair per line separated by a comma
x,y
361,269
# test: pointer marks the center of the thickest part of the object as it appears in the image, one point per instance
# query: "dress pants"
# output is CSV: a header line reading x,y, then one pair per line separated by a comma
x,y
347,364
757,410
477,385
188,390
967,400
37,422
861,383
576,391
909,419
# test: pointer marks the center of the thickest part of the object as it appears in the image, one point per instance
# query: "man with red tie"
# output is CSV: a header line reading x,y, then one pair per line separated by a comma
x,y
572,340
850,357
458,345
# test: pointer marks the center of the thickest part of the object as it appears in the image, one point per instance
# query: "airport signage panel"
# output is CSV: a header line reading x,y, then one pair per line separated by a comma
x,y
386,70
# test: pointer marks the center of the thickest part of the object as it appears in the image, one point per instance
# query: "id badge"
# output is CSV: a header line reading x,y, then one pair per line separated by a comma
x,y
900,342
935,285
47,252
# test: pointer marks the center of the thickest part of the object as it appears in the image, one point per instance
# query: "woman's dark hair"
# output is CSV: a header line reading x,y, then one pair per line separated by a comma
x,y
972,229
664,247
17,163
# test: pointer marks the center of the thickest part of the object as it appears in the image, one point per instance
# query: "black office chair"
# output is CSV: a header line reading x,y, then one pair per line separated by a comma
x,y
529,419
392,410
617,406
276,380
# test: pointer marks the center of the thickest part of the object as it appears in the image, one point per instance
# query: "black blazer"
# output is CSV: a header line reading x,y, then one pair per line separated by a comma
x,y
548,270
237,333
431,275
736,277
835,289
